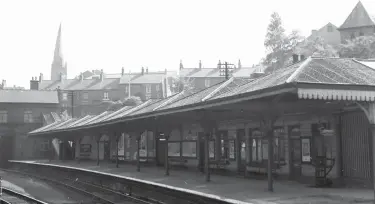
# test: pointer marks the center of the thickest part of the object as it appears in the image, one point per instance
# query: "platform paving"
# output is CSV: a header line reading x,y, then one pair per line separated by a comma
x,y
235,189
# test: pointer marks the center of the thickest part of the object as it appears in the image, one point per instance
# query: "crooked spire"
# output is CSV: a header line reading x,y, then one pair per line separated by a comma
x,y
58,49
59,66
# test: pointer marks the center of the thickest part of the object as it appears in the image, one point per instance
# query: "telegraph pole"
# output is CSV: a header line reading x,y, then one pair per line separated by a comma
x,y
226,71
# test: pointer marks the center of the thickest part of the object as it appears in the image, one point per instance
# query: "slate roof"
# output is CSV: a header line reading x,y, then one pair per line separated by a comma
x,y
193,98
327,71
331,71
29,96
148,78
215,72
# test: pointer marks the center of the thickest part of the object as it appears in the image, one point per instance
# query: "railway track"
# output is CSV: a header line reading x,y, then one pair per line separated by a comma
x,y
12,197
99,194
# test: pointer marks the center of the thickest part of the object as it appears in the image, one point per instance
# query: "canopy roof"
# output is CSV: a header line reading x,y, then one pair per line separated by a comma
x,y
313,78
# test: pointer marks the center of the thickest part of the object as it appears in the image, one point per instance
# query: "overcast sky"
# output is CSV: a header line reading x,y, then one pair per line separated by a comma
x,y
109,34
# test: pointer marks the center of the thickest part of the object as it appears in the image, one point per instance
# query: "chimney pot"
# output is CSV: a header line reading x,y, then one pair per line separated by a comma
x,y
143,70
295,58
122,71
146,70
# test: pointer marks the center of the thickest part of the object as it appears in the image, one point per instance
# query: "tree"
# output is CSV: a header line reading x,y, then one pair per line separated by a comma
x,y
315,46
128,101
132,101
278,44
361,47
114,105
181,83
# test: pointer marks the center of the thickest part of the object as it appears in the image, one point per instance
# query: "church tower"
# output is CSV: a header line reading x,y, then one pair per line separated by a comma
x,y
59,66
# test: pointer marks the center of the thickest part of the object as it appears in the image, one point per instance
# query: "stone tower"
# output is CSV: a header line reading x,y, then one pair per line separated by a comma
x,y
59,66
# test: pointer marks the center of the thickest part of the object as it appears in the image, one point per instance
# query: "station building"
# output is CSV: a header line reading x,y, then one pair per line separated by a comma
x,y
318,116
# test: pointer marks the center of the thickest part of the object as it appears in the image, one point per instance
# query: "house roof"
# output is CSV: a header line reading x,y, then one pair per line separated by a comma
x,y
29,96
358,18
312,71
215,72
147,78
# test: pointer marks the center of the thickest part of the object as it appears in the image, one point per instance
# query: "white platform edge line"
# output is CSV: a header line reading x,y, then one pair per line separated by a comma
x,y
233,201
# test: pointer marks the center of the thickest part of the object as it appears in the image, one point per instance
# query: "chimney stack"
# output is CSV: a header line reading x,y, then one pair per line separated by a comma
x,y
181,65
122,71
295,58
298,58
101,75
219,64
239,64
4,83
146,70
143,71
81,76
34,83
40,77
200,64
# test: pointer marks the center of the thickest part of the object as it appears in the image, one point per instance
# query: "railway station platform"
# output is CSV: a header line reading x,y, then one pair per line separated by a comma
x,y
232,189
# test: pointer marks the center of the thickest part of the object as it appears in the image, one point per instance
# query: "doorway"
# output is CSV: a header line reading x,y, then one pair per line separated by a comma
x,y
161,146
107,151
241,150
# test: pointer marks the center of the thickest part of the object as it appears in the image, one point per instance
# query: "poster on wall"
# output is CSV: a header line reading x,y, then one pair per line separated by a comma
x,y
121,147
306,156
231,149
85,150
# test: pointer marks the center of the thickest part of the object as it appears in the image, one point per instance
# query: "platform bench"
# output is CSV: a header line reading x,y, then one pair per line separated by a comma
x,y
181,162
219,164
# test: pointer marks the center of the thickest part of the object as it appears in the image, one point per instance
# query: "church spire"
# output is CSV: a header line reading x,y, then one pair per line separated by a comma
x,y
59,66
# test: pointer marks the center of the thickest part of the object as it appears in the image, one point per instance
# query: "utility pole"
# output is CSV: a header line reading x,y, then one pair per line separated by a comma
x,y
227,70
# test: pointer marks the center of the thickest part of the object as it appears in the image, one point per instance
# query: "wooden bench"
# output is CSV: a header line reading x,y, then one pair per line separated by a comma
x,y
219,164
262,167
177,161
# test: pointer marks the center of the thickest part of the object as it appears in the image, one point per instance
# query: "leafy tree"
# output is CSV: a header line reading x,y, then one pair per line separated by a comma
x,y
114,105
361,47
315,46
278,44
132,101
181,83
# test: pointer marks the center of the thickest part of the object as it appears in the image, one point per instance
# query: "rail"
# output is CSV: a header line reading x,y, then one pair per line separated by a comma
x,y
98,193
10,196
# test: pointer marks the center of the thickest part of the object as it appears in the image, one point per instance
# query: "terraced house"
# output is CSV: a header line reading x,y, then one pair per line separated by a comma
x,y
202,77
310,122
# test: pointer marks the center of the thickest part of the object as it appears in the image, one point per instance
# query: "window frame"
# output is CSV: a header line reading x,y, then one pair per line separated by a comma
x,y
85,96
3,116
148,88
65,96
28,116
106,95
207,82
